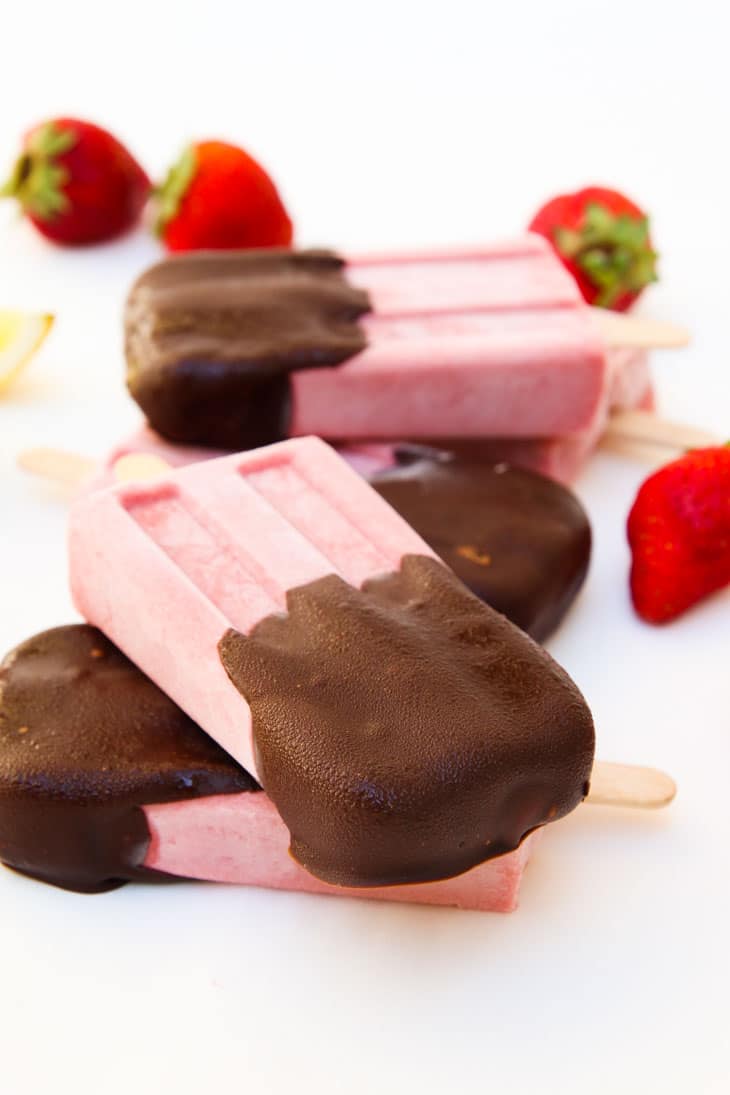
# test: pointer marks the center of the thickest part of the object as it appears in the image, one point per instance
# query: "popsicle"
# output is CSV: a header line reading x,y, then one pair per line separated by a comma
x,y
405,731
241,349
104,780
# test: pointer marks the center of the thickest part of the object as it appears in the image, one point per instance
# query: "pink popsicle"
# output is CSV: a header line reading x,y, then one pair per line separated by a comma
x,y
124,784
473,298
389,732
471,343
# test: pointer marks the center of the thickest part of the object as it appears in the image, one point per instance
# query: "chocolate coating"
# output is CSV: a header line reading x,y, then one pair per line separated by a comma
x,y
405,731
519,541
211,338
85,741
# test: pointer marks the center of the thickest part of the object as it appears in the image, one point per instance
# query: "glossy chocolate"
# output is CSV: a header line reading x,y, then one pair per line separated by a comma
x,y
85,741
519,541
211,338
405,731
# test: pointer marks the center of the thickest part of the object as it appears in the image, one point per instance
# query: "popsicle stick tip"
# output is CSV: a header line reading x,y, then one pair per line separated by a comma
x,y
645,436
631,786
651,455
638,332
138,467
56,465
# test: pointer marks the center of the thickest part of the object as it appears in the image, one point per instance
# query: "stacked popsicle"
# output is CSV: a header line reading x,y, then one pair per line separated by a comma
x,y
409,739
404,730
493,346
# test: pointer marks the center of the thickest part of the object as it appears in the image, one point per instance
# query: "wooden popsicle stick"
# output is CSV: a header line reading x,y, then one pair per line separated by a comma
x,y
58,466
641,435
647,427
637,332
644,452
630,785
139,467
71,469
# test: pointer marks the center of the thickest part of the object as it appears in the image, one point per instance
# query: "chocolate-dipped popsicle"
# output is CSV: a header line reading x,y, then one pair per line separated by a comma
x,y
241,349
404,730
104,780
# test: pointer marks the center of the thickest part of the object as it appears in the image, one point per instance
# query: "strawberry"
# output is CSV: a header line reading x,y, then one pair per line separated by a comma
x,y
679,533
603,239
218,197
77,183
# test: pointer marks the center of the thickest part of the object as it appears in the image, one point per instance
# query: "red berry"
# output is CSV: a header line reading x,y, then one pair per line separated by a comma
x,y
218,197
679,533
603,239
77,183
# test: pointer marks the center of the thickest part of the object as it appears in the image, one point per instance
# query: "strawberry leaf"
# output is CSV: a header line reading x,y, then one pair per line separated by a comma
x,y
37,180
613,251
50,141
173,190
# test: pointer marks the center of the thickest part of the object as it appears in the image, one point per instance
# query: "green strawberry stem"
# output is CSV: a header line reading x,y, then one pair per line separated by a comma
x,y
173,189
37,180
613,251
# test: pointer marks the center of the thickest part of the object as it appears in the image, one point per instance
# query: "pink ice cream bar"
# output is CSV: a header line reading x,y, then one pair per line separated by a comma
x,y
241,349
104,780
405,731
241,839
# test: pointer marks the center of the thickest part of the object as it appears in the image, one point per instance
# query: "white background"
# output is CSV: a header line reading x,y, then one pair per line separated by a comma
x,y
392,123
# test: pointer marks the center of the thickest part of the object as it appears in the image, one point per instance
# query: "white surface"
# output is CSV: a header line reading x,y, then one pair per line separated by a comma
x,y
391,124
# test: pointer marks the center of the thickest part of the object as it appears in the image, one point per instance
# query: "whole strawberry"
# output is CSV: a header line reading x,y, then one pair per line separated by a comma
x,y
77,183
603,238
218,197
679,533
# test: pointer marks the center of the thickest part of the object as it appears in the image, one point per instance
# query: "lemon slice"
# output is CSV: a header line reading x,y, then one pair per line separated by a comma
x,y
21,333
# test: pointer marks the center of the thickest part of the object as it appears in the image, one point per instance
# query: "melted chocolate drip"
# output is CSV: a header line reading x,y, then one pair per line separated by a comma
x,y
86,740
405,731
212,337
519,541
